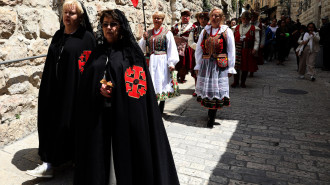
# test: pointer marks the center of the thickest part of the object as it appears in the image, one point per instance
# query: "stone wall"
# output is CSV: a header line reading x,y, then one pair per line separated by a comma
x,y
26,29
314,13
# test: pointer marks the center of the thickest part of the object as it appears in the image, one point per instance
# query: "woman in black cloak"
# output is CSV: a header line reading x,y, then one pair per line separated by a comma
x,y
121,137
69,50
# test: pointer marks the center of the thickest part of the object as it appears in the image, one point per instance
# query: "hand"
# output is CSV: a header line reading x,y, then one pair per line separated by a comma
x,y
196,72
171,68
261,46
106,90
229,75
254,52
145,35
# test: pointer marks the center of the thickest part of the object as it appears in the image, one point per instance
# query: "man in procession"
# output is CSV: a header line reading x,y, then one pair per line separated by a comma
x,y
181,32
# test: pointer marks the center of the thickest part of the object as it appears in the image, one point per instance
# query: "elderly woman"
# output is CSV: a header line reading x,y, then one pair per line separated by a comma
x,y
203,19
163,57
67,54
215,61
121,137
247,45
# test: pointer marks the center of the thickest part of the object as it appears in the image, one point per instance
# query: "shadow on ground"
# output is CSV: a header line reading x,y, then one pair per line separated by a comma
x,y
277,138
28,159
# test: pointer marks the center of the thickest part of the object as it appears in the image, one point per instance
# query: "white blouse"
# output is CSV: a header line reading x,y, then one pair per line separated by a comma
x,y
230,47
171,52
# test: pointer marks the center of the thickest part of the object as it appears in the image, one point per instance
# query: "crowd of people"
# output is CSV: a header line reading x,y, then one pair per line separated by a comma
x,y
278,37
98,98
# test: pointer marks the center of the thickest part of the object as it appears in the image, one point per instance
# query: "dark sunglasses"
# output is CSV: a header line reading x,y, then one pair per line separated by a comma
x,y
205,18
112,24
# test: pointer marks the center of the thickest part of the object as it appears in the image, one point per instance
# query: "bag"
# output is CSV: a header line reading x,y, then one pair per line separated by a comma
x,y
222,60
181,44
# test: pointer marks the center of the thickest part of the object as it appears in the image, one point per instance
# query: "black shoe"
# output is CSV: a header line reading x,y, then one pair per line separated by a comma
x,y
312,78
210,123
161,106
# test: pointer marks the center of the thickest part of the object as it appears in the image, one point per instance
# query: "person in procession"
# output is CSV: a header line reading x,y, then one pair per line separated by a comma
x,y
247,44
282,41
181,32
270,41
233,23
255,21
203,19
121,137
312,47
163,58
67,54
215,61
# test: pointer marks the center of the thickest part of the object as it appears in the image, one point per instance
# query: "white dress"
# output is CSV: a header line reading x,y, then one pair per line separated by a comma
x,y
212,87
159,66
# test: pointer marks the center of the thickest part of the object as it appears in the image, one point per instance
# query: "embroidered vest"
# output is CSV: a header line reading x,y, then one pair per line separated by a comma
x,y
157,42
248,41
182,32
214,45
196,32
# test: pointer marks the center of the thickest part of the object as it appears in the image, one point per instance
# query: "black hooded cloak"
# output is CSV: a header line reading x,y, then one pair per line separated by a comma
x,y
130,120
66,57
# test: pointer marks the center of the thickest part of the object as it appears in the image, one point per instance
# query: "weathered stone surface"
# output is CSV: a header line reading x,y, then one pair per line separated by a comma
x,y
35,74
19,88
9,2
14,105
29,19
92,13
17,112
48,23
15,49
7,23
123,2
14,75
36,3
2,81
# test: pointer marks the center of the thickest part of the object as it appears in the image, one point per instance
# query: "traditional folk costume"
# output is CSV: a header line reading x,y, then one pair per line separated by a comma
x,y
192,42
246,39
181,33
212,86
122,139
163,53
259,57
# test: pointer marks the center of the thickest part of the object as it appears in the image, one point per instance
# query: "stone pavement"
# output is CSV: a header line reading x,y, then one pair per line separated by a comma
x,y
267,136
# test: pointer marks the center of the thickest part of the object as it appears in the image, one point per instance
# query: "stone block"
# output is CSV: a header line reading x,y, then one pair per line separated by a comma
x,y
29,20
48,24
36,3
9,2
123,2
7,23
19,88
2,81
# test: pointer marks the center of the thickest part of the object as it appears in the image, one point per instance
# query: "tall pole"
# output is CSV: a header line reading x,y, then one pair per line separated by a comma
x,y
237,10
144,17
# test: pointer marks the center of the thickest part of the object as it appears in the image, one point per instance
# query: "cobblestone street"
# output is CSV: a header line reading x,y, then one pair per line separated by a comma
x,y
277,131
